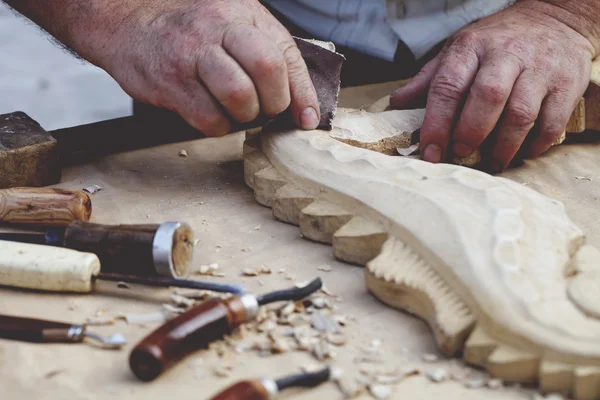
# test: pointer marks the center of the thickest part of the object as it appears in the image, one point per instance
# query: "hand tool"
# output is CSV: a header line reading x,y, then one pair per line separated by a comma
x,y
48,268
142,250
43,331
44,206
31,156
201,325
265,389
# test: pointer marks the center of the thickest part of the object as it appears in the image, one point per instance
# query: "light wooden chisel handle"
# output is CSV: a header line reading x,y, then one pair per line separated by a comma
x,y
48,268
44,206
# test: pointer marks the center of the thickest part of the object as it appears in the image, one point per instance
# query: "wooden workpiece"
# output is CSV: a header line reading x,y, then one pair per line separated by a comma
x,y
466,251
207,190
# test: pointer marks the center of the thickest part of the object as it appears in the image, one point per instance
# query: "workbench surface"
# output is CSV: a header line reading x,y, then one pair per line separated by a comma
x,y
206,189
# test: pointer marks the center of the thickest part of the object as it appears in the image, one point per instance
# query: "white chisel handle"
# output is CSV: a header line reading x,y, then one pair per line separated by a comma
x,y
49,268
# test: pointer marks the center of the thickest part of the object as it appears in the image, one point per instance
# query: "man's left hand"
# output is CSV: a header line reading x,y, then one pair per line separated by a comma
x,y
521,65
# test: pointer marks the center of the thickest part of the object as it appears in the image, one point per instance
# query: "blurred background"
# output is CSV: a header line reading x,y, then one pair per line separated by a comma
x,y
49,84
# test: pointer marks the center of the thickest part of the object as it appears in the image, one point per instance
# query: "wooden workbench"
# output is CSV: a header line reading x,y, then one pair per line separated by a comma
x,y
206,189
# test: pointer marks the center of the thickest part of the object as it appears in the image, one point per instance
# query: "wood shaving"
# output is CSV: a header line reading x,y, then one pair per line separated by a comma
x,y
437,374
281,270
430,357
476,383
309,368
182,153
173,309
298,320
222,371
380,391
323,351
583,178
257,228
336,338
122,285
159,317
290,277
495,384
323,323
182,301
93,189
267,326
249,272
324,268
287,309
100,321
100,312
265,270
321,302
349,387
408,150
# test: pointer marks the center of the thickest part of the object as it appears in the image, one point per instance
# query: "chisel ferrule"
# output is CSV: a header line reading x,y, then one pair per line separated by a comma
x,y
270,387
165,251
250,305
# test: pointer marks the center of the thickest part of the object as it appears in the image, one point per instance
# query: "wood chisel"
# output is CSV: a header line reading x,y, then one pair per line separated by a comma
x,y
44,206
141,250
43,331
200,325
266,389
48,268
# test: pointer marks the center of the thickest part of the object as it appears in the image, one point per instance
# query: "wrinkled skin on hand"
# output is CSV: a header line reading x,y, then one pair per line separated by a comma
x,y
212,61
506,71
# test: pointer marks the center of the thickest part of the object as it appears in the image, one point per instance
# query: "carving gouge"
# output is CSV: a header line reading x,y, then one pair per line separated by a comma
x,y
42,331
201,325
142,250
265,389
44,206
48,268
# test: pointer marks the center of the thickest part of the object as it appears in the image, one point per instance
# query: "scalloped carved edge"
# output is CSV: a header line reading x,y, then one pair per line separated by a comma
x,y
412,285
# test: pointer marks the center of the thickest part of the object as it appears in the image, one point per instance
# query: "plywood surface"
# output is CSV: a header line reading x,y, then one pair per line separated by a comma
x,y
206,190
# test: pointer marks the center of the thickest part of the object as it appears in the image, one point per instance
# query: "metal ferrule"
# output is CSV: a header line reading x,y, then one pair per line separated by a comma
x,y
76,333
271,387
162,249
250,305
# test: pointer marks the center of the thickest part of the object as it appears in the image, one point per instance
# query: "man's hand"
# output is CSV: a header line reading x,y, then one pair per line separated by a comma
x,y
527,62
211,61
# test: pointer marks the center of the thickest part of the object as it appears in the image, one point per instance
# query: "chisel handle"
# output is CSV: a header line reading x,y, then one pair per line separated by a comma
x,y
189,332
44,206
38,267
37,330
141,250
244,390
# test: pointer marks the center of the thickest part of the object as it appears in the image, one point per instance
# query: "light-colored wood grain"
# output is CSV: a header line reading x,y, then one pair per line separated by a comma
x,y
464,249
48,268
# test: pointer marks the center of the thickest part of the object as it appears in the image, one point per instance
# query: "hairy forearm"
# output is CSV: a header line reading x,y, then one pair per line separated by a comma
x,y
86,26
581,15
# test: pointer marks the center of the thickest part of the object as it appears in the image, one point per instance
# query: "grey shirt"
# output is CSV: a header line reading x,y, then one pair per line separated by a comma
x,y
374,27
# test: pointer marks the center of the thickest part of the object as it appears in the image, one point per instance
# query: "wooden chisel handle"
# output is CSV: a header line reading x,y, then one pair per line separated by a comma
x,y
182,335
48,268
36,330
245,390
44,206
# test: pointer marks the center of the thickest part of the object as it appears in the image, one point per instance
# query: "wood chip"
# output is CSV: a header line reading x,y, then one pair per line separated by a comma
x,y
182,301
265,270
281,270
408,150
222,371
495,384
182,153
267,326
323,351
93,189
437,374
287,309
159,317
100,321
249,272
583,178
320,302
323,323
380,391
349,387
324,268
336,338
475,383
173,309
430,357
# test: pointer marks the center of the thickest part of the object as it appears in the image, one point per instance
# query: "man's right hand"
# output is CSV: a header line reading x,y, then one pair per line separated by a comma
x,y
203,57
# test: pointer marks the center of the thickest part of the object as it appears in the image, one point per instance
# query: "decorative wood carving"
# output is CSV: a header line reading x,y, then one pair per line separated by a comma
x,y
494,267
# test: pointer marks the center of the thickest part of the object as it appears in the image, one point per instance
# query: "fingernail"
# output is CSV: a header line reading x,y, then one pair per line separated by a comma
x,y
432,153
462,150
309,119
